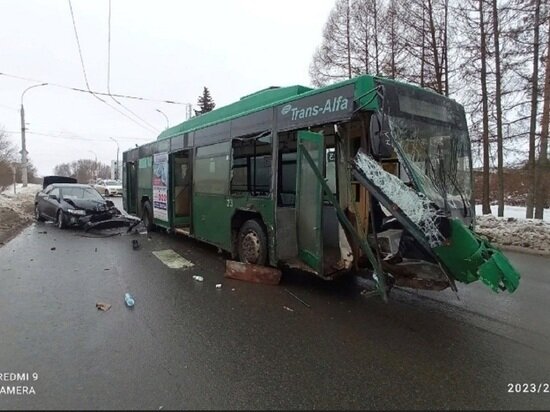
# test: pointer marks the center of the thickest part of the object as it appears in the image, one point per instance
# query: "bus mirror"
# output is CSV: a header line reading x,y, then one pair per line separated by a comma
x,y
380,145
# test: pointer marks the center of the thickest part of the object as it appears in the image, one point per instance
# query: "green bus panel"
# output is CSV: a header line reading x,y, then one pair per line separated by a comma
x,y
211,219
212,216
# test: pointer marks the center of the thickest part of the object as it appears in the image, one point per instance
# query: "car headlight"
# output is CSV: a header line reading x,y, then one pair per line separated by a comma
x,y
79,212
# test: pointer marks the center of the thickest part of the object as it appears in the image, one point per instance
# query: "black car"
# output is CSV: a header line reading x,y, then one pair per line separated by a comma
x,y
71,204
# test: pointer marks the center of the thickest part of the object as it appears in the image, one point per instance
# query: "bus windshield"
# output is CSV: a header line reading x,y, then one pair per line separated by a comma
x,y
431,134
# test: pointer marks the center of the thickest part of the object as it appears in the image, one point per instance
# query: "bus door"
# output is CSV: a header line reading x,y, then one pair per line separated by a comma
x,y
129,191
309,200
181,189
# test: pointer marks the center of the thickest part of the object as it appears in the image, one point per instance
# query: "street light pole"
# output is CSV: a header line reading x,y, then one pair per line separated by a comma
x,y
117,151
24,152
166,117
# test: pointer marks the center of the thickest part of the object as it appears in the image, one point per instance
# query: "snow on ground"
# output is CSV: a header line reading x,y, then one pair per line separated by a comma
x,y
16,209
19,202
514,230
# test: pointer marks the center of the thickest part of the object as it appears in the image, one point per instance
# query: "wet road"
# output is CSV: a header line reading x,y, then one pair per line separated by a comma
x,y
189,345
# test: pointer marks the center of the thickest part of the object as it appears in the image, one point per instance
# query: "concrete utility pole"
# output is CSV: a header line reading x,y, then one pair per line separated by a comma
x,y
166,117
117,167
23,151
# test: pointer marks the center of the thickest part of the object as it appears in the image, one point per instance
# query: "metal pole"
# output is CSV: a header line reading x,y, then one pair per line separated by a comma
x,y
24,174
117,177
14,171
166,117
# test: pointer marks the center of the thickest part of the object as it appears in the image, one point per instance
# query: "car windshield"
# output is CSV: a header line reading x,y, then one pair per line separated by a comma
x,y
111,183
86,193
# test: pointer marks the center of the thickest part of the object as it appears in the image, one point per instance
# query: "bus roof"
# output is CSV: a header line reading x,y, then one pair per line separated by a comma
x,y
260,100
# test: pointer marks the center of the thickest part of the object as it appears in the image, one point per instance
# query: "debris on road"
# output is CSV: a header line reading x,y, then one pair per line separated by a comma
x,y
52,248
218,285
171,259
135,244
42,232
289,309
198,278
103,306
129,300
252,273
307,305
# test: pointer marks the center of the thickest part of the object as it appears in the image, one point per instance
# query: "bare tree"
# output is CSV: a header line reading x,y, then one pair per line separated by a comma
x,y
541,172
483,79
332,61
83,170
500,154
534,112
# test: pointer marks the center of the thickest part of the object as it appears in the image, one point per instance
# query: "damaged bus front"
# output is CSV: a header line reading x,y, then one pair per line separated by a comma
x,y
416,168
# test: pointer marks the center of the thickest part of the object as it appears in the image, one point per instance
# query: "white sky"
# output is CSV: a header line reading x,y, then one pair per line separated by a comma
x,y
162,49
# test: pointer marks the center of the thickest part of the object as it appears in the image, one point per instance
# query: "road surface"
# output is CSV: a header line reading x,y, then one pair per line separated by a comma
x,y
190,345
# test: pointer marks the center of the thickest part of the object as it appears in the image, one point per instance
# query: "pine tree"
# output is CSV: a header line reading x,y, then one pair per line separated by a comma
x,y
205,102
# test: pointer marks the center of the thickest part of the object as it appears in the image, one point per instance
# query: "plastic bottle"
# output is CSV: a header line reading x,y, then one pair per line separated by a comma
x,y
129,300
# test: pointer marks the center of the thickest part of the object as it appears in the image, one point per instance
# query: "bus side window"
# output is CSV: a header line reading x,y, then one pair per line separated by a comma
x,y
251,166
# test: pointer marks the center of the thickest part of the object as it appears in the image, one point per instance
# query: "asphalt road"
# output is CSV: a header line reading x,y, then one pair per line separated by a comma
x,y
189,345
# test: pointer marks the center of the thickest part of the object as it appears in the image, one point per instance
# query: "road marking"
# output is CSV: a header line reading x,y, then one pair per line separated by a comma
x,y
171,259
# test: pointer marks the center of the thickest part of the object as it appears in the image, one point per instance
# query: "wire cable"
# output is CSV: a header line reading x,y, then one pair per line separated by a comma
x,y
76,89
109,74
151,128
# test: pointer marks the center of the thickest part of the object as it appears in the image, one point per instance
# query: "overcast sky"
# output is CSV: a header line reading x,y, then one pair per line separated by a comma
x,y
162,50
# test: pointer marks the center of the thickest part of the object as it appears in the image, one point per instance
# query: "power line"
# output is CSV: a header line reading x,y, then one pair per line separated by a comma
x,y
78,44
109,75
109,52
76,89
74,137
86,77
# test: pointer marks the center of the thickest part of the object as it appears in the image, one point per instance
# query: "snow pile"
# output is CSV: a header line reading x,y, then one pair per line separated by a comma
x,y
415,205
21,203
510,231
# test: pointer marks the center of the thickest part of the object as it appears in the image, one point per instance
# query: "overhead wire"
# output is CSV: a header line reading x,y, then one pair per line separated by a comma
x,y
86,77
75,136
77,89
109,74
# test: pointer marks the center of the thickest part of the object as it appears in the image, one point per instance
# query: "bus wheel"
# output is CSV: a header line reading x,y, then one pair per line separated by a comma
x,y
252,243
147,216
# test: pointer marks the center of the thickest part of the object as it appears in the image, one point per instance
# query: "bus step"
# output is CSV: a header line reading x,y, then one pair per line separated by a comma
x,y
182,231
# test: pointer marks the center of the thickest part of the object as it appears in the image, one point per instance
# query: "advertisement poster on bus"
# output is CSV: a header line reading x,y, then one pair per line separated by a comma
x,y
160,186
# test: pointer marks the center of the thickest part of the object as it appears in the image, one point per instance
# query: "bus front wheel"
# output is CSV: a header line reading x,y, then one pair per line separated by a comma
x,y
252,243
147,215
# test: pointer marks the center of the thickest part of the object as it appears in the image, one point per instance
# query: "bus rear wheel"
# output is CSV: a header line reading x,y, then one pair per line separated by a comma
x,y
252,243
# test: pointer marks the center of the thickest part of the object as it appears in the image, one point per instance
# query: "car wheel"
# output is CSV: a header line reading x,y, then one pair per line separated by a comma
x,y
61,220
252,243
147,216
37,214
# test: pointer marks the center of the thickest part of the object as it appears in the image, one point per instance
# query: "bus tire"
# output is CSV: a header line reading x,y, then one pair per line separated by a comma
x,y
252,243
147,216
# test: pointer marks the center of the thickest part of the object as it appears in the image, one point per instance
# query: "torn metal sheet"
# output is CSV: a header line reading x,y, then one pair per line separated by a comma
x,y
113,222
171,259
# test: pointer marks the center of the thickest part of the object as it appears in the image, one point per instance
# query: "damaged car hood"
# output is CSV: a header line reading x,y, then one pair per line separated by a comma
x,y
87,204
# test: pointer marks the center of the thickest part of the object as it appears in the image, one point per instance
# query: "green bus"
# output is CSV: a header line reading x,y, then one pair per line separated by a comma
x,y
369,173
